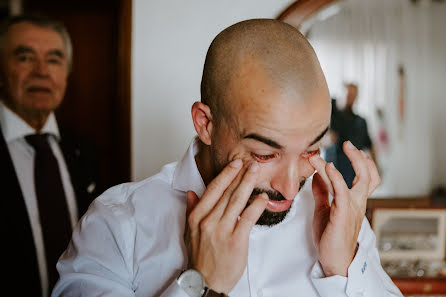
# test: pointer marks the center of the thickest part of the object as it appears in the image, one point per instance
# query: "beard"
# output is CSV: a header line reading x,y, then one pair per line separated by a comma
x,y
267,218
270,218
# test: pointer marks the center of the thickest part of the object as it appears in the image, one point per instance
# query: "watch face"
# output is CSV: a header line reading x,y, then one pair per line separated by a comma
x,y
191,282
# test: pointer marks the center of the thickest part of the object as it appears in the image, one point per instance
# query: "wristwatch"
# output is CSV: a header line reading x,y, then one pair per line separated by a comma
x,y
192,282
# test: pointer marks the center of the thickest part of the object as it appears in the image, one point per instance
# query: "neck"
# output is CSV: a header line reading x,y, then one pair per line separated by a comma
x,y
36,119
37,123
204,165
348,109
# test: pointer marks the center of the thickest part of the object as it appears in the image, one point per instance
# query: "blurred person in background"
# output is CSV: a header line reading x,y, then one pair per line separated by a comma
x,y
48,175
346,125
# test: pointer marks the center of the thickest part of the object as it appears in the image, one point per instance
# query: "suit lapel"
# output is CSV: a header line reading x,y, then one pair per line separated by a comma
x,y
78,175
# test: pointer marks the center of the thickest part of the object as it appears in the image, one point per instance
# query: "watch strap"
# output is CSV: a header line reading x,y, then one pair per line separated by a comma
x,y
208,292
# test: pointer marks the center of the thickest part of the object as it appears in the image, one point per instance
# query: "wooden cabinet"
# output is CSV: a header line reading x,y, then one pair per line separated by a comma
x,y
421,286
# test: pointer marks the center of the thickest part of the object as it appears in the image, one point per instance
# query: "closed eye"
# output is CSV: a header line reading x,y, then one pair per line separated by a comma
x,y
54,61
310,154
263,158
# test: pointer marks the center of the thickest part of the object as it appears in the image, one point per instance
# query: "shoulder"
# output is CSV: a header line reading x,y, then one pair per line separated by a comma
x,y
360,120
142,196
135,211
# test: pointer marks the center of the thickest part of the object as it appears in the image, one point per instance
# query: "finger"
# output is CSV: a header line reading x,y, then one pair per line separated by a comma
x,y
190,241
341,191
321,209
320,192
214,191
375,178
359,166
250,216
217,212
241,195
191,201
319,164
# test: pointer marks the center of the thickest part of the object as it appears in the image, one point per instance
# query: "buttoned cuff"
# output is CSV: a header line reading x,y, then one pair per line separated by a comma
x,y
174,290
333,286
336,286
358,273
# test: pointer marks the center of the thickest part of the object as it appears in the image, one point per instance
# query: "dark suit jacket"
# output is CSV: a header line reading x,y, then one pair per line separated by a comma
x,y
18,250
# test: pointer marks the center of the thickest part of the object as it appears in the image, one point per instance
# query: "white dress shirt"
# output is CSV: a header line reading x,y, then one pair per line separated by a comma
x,y
130,243
14,130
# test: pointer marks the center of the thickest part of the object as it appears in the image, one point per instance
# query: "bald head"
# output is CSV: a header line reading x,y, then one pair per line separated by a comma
x,y
279,50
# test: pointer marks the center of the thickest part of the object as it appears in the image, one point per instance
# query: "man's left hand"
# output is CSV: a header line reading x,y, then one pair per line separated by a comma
x,y
336,226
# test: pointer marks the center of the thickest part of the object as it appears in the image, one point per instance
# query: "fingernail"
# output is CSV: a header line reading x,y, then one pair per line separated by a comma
x,y
253,167
264,196
363,154
236,163
350,145
314,157
331,165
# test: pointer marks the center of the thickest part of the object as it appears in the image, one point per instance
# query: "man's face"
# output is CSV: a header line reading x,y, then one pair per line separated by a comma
x,y
273,128
34,70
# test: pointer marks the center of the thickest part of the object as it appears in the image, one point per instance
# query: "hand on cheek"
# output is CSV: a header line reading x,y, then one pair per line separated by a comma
x,y
320,166
336,227
219,223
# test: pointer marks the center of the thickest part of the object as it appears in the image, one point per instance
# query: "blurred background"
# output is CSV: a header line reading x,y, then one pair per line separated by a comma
x,y
137,71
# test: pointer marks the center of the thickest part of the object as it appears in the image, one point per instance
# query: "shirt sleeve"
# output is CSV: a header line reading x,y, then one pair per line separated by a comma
x,y
174,290
366,277
99,258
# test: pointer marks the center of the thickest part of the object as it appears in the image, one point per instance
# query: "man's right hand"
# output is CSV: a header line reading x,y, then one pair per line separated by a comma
x,y
218,225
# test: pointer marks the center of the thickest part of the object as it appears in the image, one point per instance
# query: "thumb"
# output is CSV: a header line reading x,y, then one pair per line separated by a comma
x,y
191,201
320,192
321,208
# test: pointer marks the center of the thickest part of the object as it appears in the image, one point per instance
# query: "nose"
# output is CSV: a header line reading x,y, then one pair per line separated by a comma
x,y
286,181
41,68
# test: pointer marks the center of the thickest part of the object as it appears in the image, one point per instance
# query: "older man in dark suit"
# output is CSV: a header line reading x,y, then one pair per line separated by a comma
x,y
48,176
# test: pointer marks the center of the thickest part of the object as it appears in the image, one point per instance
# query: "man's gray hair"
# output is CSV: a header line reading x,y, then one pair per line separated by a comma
x,y
39,21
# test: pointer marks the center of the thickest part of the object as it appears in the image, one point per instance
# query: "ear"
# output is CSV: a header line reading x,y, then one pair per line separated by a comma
x,y
202,118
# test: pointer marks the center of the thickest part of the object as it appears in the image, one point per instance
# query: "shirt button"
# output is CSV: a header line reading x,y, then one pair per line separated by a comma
x,y
360,294
260,293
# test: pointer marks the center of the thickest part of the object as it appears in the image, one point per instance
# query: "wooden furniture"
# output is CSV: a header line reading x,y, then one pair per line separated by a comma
x,y
411,286
421,286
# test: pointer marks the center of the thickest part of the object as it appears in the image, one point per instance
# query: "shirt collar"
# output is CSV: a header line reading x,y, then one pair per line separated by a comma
x,y
13,127
186,176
